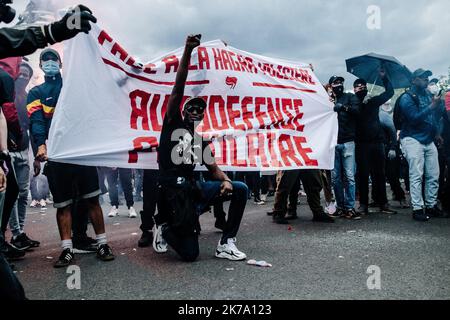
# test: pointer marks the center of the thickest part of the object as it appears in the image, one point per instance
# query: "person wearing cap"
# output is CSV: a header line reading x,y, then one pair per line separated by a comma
x,y
343,175
69,183
421,113
21,163
182,199
370,151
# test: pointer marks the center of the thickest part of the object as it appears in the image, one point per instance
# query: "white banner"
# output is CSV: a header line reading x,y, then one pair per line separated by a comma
x,y
263,113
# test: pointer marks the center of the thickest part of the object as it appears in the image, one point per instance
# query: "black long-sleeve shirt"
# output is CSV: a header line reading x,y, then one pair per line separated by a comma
x,y
368,127
347,117
21,42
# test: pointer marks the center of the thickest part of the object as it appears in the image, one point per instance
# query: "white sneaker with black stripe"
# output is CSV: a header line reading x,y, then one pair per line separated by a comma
x,y
159,244
230,251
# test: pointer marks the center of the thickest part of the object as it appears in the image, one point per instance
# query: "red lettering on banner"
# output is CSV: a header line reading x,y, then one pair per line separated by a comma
x,y
138,145
234,158
203,58
171,62
288,153
235,64
117,49
104,36
226,60
304,151
285,105
153,114
274,113
260,115
273,156
148,68
298,103
217,59
258,151
246,114
251,65
213,101
233,114
139,111
243,63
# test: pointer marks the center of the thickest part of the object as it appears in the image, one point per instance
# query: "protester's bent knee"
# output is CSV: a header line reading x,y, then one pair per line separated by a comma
x,y
240,188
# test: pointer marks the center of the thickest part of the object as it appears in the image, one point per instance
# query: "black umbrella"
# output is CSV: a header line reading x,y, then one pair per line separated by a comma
x,y
367,67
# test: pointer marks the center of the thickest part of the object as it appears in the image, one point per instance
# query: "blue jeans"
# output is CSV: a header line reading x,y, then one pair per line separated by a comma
x,y
124,176
343,175
22,169
423,162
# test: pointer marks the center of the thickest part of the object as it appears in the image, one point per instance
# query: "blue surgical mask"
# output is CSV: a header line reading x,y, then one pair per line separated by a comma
x,y
50,68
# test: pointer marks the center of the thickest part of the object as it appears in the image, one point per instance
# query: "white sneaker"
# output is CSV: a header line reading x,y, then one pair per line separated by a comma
x,y
159,244
34,204
229,251
132,213
48,201
113,212
42,203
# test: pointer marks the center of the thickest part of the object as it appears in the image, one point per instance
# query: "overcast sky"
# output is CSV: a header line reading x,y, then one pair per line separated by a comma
x,y
323,32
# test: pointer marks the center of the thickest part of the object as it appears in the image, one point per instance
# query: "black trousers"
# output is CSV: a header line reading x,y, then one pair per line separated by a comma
x,y
370,159
150,191
10,287
287,182
252,179
445,187
393,177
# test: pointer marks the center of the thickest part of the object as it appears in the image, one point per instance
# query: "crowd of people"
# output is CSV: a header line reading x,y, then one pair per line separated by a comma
x,y
379,142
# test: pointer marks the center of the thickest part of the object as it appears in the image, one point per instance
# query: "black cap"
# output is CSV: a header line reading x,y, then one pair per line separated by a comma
x,y
335,78
358,82
196,101
421,73
50,51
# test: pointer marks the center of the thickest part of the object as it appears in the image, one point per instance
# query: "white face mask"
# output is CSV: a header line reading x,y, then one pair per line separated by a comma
x,y
434,89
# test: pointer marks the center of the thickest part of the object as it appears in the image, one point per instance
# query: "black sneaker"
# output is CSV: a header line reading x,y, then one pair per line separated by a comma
x,y
339,213
279,219
434,212
292,216
387,210
21,242
11,253
220,223
146,239
363,210
105,253
323,217
34,243
86,245
420,215
65,259
271,193
352,215
270,213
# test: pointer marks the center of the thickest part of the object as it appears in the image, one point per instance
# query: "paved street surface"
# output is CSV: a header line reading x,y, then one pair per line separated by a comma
x,y
310,260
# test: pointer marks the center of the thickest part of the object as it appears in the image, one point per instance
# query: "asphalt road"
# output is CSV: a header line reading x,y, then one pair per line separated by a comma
x,y
310,261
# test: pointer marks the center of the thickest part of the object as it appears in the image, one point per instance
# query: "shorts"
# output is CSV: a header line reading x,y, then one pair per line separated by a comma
x,y
71,182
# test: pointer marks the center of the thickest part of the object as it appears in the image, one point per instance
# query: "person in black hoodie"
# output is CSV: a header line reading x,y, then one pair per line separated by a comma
x,y
370,152
343,174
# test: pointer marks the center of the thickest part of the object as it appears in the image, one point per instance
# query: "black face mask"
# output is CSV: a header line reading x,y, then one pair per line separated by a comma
x,y
338,90
362,94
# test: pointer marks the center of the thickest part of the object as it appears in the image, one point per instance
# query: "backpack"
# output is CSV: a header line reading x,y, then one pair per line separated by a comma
x,y
398,117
